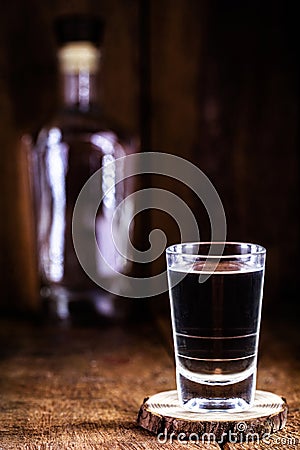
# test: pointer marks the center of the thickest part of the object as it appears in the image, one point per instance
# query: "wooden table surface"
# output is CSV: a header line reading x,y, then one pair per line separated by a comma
x,y
82,388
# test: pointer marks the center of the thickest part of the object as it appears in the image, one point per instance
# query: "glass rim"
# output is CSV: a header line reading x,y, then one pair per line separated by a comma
x,y
255,249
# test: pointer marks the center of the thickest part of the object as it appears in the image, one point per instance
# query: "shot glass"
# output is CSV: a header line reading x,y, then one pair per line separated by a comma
x,y
216,294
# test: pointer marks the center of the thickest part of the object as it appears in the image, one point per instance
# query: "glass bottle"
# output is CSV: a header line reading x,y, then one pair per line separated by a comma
x,y
67,152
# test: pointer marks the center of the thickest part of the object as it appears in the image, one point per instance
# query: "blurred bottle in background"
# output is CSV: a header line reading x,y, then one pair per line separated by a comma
x,y
65,154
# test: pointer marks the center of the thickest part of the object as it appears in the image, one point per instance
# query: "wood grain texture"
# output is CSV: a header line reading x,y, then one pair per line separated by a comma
x,y
78,389
279,366
287,439
29,94
223,78
82,388
161,413
222,92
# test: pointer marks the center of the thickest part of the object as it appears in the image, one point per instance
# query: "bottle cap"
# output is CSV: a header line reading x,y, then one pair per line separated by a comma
x,y
75,28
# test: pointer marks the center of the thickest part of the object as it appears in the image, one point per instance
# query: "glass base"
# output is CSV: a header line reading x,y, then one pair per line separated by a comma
x,y
216,405
231,397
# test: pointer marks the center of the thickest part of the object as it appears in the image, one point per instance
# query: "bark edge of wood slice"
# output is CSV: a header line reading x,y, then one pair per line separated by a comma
x,y
162,415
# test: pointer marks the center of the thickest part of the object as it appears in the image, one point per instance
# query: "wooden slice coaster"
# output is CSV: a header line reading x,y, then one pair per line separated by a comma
x,y
161,414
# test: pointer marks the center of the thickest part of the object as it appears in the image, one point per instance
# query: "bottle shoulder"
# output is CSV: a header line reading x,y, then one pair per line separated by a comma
x,y
71,127
73,122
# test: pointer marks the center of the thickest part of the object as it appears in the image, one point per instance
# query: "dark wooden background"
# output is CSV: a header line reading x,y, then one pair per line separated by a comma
x,y
216,82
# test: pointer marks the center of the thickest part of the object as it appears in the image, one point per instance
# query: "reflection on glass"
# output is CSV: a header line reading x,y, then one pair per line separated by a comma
x,y
56,168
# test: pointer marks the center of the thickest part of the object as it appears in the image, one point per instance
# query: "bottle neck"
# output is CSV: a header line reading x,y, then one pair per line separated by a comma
x,y
79,90
79,70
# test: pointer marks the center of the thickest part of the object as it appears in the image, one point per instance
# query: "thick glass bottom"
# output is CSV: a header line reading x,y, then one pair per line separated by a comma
x,y
230,397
